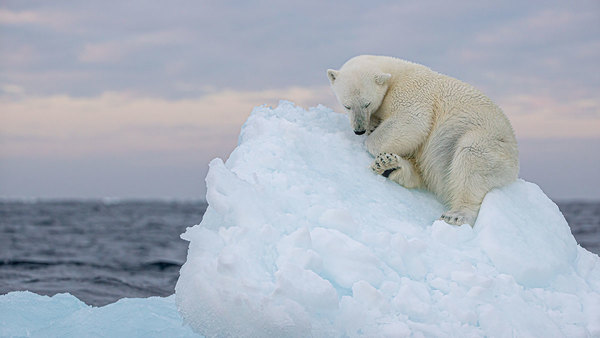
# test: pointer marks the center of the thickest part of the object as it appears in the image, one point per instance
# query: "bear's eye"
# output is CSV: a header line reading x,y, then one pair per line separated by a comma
x,y
347,107
368,104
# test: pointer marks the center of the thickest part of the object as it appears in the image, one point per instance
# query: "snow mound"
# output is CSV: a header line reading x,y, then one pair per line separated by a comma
x,y
26,314
301,239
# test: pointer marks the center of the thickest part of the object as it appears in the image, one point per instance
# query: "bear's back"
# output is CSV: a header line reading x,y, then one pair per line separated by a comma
x,y
380,63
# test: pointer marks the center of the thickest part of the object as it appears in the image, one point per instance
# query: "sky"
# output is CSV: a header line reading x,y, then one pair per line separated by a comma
x,y
132,99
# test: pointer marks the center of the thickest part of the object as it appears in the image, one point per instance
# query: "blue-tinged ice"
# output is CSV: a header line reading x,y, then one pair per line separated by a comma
x,y
26,314
301,239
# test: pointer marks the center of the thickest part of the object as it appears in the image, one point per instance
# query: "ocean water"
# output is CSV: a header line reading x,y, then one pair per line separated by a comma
x,y
101,251
98,251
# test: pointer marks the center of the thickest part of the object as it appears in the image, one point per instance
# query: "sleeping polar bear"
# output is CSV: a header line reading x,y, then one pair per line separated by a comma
x,y
428,130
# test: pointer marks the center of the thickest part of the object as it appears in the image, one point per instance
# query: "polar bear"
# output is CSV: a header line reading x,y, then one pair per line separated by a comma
x,y
428,130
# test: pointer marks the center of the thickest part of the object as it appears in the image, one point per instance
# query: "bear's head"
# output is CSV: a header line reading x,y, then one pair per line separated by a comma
x,y
360,92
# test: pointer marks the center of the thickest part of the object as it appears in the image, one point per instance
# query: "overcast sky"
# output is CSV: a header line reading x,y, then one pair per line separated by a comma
x,y
132,99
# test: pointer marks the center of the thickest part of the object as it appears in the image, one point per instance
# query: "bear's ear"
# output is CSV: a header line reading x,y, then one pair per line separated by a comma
x,y
381,79
332,75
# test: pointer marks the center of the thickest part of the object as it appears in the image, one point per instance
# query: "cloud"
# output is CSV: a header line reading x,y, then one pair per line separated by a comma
x,y
547,26
117,50
121,122
12,89
551,42
153,48
8,17
46,18
545,116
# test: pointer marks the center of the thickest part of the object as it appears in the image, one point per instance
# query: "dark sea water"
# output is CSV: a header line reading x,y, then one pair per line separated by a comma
x,y
97,251
101,251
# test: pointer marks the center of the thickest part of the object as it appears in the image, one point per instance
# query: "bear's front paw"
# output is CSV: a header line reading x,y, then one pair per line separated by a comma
x,y
385,163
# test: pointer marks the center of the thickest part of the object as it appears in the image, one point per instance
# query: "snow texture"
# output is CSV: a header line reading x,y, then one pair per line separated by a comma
x,y
301,239
26,314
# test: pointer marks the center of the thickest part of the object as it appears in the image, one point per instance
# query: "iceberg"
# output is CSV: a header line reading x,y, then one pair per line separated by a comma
x,y
301,239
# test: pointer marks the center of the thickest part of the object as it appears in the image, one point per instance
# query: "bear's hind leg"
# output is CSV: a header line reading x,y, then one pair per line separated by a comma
x,y
466,200
469,179
479,164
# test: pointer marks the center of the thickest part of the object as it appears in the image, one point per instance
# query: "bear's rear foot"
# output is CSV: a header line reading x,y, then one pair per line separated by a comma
x,y
459,217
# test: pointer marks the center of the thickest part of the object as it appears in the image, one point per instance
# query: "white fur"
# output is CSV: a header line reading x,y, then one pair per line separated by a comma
x,y
437,132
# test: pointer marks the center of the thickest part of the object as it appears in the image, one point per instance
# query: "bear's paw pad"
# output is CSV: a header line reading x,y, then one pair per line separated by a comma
x,y
385,163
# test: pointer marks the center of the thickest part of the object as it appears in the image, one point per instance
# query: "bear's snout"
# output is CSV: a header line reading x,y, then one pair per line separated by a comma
x,y
357,132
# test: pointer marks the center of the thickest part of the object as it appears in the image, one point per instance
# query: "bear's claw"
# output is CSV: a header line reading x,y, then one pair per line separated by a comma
x,y
459,217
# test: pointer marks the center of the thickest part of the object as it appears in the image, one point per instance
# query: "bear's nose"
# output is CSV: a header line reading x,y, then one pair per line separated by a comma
x,y
359,132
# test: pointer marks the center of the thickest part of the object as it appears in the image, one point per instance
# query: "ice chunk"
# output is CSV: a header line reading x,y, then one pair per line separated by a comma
x,y
301,239
520,243
26,314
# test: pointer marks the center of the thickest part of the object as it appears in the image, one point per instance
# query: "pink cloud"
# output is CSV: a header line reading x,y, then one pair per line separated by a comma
x,y
545,116
116,50
118,122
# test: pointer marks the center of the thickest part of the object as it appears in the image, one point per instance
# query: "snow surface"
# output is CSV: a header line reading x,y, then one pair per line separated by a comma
x,y
301,239
26,314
